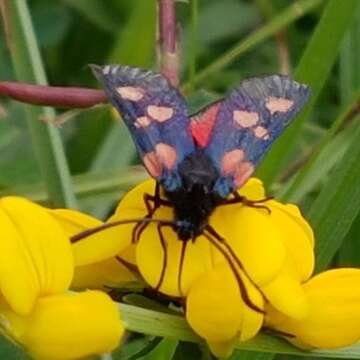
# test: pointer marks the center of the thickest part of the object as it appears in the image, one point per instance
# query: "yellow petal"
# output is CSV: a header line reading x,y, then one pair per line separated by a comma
x,y
134,200
286,295
35,254
252,320
73,221
150,256
333,319
253,189
68,326
110,273
254,238
222,350
297,237
97,247
215,309
113,240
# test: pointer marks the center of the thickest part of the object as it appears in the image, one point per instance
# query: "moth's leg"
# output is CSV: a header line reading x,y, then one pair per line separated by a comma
x,y
233,260
165,258
181,266
152,203
237,199
140,226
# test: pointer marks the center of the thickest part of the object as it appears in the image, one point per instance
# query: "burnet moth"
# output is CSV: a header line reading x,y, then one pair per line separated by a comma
x,y
198,161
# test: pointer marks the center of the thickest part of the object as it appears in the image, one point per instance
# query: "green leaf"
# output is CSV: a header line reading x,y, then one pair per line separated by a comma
x,y
349,61
349,254
10,351
164,351
175,327
145,350
190,351
313,69
46,139
337,205
251,355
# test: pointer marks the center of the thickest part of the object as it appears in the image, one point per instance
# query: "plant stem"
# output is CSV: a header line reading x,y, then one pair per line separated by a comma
x,y
57,96
168,47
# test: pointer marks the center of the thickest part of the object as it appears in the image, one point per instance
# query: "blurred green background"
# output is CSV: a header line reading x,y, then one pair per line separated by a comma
x,y
221,42
316,163
74,33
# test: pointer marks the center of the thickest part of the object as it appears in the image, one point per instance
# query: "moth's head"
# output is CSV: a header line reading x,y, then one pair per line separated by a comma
x,y
198,173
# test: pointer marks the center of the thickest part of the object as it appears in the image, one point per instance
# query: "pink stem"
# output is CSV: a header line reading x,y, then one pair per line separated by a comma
x,y
77,97
64,97
169,56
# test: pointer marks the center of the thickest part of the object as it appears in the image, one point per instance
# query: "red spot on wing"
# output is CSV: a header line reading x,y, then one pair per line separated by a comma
x,y
243,172
160,113
152,164
201,126
234,164
231,161
278,104
166,155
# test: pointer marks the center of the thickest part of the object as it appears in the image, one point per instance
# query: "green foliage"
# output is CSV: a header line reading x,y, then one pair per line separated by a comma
x,y
315,163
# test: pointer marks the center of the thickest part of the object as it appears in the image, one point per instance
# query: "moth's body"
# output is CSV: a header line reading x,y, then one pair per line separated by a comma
x,y
195,200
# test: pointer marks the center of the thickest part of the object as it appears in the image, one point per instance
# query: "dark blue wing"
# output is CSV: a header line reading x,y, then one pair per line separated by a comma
x,y
156,115
246,124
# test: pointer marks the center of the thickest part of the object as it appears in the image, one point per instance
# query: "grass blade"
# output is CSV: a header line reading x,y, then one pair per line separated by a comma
x,y
164,351
111,182
337,205
313,69
46,139
283,19
307,178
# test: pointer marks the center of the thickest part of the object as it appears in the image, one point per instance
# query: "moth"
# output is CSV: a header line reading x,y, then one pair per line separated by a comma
x,y
199,161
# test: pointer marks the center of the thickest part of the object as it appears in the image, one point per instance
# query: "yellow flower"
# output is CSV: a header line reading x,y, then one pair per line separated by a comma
x,y
36,270
35,255
333,319
266,244
66,326
270,254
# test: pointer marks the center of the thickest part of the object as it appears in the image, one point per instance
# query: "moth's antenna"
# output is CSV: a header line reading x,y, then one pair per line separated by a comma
x,y
88,232
242,288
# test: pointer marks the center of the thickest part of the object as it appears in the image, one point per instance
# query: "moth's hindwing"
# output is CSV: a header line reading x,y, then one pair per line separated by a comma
x,y
244,125
156,115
